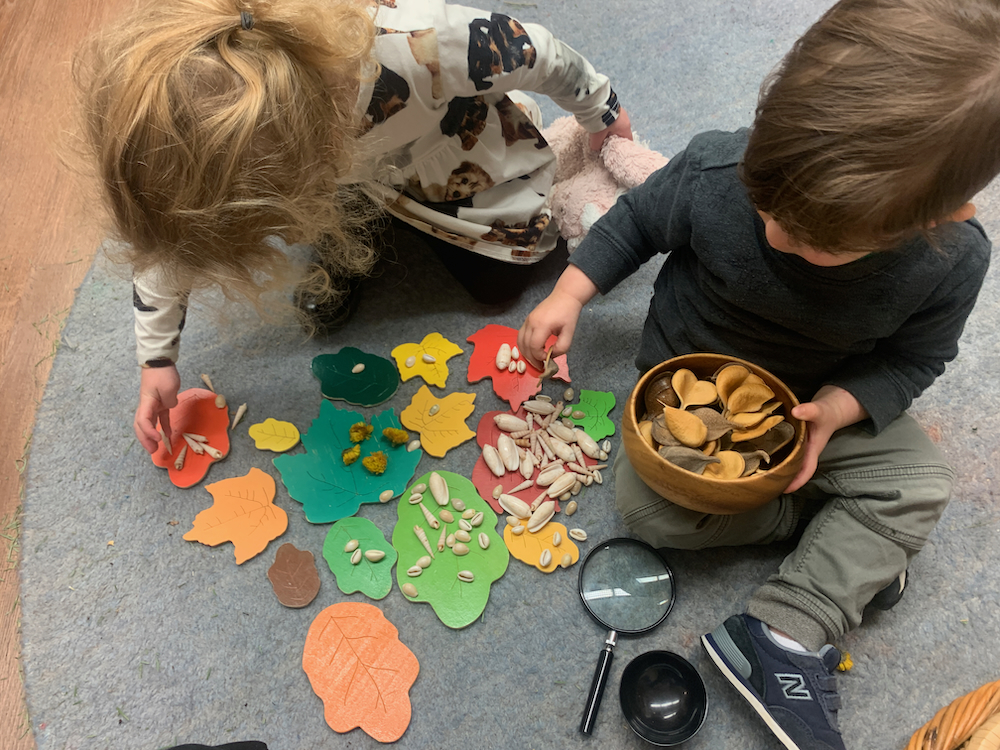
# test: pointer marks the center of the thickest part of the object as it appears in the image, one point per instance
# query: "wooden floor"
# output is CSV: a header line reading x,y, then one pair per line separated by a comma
x,y
48,235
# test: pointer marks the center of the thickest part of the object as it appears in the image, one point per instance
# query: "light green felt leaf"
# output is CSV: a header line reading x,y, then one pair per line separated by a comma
x,y
318,478
376,383
455,602
373,579
596,405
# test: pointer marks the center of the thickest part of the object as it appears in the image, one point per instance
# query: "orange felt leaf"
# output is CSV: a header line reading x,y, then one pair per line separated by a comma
x,y
196,413
528,547
243,513
361,670
440,421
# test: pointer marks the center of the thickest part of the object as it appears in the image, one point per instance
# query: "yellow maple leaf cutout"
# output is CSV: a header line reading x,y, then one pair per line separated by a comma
x,y
440,421
528,547
272,435
435,348
243,513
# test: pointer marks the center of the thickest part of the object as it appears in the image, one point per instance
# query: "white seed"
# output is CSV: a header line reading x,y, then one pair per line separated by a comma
x,y
510,423
460,549
374,555
410,361
541,516
439,488
468,513
545,559
466,576
571,507
446,516
477,520
434,409
492,459
412,446
566,561
503,356
508,453
429,359
579,534
521,367
351,545
356,557
419,487
484,540
359,367
458,504
562,484
556,539
515,506
415,498
179,461
385,496
414,571
569,394
517,530
409,590
538,407
514,353
463,536
431,520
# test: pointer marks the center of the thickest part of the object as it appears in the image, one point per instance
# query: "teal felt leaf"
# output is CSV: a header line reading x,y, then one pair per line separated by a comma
x,y
596,405
376,382
373,579
457,603
318,478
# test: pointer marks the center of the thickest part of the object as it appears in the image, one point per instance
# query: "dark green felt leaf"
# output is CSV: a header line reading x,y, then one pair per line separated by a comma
x,y
373,579
318,478
376,383
596,405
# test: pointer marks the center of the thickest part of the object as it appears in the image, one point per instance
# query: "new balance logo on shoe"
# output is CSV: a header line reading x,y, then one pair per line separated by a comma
x,y
793,686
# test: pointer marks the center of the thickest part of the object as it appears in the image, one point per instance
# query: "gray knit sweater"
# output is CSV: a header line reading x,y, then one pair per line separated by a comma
x,y
881,327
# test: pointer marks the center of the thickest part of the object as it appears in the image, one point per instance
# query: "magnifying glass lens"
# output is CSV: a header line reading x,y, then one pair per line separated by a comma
x,y
627,586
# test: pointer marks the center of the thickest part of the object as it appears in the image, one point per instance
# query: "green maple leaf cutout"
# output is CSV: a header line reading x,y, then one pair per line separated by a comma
x,y
373,579
457,603
318,478
596,405
376,382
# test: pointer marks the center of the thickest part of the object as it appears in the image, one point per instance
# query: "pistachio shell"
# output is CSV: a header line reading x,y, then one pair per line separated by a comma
x,y
685,426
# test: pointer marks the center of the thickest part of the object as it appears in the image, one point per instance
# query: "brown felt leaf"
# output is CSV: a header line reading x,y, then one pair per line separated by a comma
x,y
687,458
294,576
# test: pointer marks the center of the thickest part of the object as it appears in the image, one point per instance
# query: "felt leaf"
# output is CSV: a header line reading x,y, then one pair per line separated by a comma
x,y
595,405
293,576
361,670
434,347
376,382
243,513
528,547
330,490
440,421
195,413
373,579
457,603
513,387
272,435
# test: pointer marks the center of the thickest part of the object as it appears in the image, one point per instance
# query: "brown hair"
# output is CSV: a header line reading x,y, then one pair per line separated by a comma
x,y
882,119
210,135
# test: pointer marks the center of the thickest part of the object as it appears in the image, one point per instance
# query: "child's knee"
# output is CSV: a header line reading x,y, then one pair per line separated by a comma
x,y
661,523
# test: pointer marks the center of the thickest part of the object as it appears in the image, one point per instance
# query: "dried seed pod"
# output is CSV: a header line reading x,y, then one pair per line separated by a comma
x,y
685,426
510,423
466,576
374,555
579,534
439,488
770,442
748,397
515,506
409,590
503,356
460,549
492,459
508,453
571,507
660,393
355,557
730,466
351,545
541,516
692,391
545,559
446,516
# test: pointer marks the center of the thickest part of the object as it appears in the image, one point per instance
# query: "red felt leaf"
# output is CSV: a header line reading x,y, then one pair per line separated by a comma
x,y
513,387
196,413
361,670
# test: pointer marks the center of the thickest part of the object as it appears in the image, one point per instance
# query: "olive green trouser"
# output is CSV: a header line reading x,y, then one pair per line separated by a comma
x,y
873,501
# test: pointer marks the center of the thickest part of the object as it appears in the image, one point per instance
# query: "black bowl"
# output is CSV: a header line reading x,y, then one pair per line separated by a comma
x,y
663,698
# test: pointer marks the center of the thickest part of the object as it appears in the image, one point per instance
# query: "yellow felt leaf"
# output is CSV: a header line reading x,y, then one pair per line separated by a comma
x,y
440,421
429,359
528,547
243,513
272,435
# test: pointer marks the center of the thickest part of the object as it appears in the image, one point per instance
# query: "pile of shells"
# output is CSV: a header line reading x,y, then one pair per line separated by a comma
x,y
523,519
197,443
726,427
353,548
553,446
455,523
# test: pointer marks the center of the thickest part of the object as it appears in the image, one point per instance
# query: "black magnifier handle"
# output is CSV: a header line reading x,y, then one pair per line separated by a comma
x,y
597,684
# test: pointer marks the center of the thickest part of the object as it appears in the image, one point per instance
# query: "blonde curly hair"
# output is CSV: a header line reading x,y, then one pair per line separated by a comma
x,y
211,134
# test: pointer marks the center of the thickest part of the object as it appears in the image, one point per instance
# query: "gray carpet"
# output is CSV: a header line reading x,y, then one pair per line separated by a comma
x,y
154,641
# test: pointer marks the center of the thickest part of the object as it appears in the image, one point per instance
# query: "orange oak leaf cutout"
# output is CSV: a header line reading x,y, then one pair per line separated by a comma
x,y
243,513
361,670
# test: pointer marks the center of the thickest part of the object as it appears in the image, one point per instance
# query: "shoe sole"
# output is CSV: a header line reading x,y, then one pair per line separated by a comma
x,y
737,681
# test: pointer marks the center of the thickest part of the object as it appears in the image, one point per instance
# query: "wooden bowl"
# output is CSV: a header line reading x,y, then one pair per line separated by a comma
x,y
707,494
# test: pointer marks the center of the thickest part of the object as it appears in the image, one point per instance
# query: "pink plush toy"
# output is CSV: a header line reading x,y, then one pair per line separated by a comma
x,y
587,183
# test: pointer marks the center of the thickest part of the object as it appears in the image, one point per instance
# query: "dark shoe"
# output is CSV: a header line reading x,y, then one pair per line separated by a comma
x,y
322,317
888,597
794,692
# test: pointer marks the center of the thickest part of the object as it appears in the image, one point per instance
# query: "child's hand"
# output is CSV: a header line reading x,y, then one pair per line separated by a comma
x,y
621,127
157,395
831,408
556,315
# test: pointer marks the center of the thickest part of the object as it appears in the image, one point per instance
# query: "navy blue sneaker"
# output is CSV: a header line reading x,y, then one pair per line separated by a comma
x,y
889,597
794,692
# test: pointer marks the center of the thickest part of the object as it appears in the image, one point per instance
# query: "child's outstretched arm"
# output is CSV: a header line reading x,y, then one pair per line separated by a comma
x,y
556,315
831,409
157,395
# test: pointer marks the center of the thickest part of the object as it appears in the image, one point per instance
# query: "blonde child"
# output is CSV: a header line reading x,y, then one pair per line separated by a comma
x,y
833,244
217,125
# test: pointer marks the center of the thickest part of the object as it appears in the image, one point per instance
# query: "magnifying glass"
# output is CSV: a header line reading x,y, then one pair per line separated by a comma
x,y
628,588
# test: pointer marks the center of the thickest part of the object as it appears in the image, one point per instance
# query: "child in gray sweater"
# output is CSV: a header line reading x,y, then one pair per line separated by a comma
x,y
833,244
